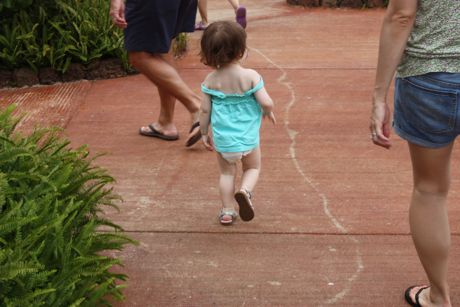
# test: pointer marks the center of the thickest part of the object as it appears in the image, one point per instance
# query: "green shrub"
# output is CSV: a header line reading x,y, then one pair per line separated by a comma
x,y
179,46
45,33
51,244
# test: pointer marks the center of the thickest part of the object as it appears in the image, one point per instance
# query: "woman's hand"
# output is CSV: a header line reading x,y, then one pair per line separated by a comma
x,y
380,125
117,12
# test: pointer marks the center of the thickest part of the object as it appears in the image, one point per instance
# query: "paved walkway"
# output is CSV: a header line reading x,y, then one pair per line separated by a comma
x,y
331,209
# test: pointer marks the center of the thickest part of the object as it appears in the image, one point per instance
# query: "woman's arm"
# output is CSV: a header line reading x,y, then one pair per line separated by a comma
x,y
396,28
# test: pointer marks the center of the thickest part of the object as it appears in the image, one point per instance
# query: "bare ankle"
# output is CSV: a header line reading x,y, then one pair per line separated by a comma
x,y
195,116
438,298
165,127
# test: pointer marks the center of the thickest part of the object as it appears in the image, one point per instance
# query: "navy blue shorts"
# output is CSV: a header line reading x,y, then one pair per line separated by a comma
x,y
427,111
152,24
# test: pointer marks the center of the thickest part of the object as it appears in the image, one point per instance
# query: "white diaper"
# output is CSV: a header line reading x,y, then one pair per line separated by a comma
x,y
233,157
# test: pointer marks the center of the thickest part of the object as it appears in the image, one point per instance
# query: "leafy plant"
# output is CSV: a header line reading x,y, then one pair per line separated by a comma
x,y
13,5
51,248
180,45
10,53
55,33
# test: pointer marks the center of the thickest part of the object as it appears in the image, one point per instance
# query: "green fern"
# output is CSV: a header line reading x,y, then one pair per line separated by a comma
x,y
50,244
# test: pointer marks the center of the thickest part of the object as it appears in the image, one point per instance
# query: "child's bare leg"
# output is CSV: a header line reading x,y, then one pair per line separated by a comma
x,y
227,181
251,170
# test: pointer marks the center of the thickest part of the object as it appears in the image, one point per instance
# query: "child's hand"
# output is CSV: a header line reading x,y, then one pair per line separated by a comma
x,y
207,141
271,117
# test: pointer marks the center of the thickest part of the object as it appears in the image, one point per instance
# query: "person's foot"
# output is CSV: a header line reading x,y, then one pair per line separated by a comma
x,y
200,26
420,296
156,130
241,16
227,216
194,134
415,295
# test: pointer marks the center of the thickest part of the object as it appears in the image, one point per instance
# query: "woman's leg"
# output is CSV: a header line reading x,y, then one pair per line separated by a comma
x,y
203,9
226,181
157,69
170,87
240,13
234,3
251,170
429,221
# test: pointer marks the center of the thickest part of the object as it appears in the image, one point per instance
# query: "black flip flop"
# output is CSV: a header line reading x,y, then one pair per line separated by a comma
x,y
409,299
157,134
194,138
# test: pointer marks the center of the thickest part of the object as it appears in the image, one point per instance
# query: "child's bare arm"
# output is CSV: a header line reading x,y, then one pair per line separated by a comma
x,y
261,95
205,116
266,103
264,100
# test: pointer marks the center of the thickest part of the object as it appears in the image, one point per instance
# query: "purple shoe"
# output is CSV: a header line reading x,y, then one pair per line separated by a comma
x,y
200,26
241,16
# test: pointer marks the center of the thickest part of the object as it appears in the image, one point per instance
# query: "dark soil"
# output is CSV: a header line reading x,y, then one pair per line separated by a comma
x,y
101,69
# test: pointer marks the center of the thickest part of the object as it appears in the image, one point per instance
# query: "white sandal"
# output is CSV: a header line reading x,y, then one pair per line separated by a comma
x,y
229,213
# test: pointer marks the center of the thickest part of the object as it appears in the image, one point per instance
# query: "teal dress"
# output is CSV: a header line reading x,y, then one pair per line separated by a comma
x,y
235,119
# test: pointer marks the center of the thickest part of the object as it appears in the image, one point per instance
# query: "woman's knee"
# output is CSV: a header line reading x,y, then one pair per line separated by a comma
x,y
138,59
432,188
135,58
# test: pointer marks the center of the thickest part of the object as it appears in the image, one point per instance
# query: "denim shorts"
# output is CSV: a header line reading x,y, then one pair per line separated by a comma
x,y
426,109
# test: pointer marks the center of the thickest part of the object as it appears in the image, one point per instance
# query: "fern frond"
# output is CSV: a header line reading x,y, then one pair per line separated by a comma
x,y
51,199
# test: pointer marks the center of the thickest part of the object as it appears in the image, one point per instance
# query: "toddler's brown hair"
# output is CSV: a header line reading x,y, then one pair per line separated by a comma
x,y
222,43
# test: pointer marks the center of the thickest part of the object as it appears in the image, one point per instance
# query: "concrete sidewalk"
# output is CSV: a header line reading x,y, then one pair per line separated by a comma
x,y
331,209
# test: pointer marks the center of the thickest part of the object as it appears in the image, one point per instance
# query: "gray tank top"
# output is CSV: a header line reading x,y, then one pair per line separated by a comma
x,y
434,44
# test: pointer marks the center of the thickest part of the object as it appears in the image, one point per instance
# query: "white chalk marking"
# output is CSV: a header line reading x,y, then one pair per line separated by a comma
x,y
283,80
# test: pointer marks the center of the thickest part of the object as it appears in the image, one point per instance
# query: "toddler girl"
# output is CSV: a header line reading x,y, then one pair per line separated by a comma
x,y
234,102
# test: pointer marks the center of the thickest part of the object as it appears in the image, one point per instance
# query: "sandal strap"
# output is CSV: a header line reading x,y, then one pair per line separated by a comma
x,y
247,192
230,212
196,124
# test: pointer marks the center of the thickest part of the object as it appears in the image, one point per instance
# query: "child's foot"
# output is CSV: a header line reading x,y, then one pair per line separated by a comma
x,y
241,16
243,198
227,216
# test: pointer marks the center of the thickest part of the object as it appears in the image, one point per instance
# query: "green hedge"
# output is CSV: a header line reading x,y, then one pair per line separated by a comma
x,y
51,244
55,33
